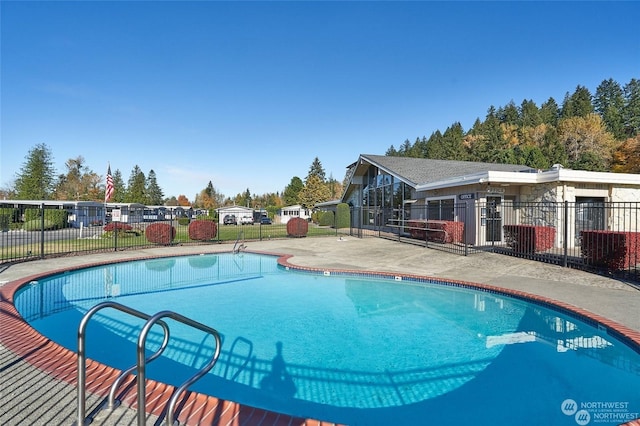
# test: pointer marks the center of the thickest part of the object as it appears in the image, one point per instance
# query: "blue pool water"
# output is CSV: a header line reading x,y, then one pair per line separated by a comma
x,y
348,349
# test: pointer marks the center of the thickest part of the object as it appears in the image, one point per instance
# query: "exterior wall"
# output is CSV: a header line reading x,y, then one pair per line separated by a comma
x,y
286,213
237,211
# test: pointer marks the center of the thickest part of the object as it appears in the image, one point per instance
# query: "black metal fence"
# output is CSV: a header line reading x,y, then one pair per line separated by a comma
x,y
597,236
35,232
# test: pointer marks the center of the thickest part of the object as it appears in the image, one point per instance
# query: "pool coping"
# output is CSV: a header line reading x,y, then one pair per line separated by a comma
x,y
198,409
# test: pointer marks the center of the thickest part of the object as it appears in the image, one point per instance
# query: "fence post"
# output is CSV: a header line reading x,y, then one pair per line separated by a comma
x,y
566,234
42,231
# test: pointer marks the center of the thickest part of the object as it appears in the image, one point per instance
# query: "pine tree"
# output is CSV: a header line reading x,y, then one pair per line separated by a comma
x,y
292,191
316,169
609,103
136,187
578,104
550,112
36,178
154,194
631,113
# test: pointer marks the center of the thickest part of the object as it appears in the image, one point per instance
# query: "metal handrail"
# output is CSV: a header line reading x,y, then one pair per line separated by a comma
x,y
124,374
142,365
240,235
82,357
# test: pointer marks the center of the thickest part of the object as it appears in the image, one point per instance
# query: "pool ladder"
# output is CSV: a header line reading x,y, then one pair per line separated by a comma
x,y
239,245
141,361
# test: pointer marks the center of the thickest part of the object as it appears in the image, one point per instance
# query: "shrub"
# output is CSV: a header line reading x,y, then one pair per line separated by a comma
x,y
119,226
343,216
529,238
325,218
297,227
441,231
160,233
202,230
36,225
183,221
57,218
613,250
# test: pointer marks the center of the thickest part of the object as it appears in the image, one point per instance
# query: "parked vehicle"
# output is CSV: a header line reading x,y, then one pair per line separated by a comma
x,y
230,219
265,220
246,220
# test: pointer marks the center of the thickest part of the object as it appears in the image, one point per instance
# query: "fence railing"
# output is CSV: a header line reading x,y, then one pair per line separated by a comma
x,y
34,233
588,234
591,235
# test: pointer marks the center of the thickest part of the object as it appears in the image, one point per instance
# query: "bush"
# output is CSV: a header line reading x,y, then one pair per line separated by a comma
x,y
36,225
325,218
613,250
441,231
57,218
183,221
119,226
297,227
529,238
160,233
202,230
343,216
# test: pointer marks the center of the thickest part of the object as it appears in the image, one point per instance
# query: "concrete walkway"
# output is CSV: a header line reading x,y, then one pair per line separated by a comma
x,y
30,397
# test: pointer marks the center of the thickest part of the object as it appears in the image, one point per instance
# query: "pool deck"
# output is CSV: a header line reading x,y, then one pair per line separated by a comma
x,y
37,378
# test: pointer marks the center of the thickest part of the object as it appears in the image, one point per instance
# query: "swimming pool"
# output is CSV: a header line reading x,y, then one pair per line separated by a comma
x,y
346,348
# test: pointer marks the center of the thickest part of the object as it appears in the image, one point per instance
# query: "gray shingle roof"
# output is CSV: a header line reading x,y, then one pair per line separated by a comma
x,y
417,171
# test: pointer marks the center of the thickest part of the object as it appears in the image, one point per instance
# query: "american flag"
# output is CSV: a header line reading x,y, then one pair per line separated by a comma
x,y
108,192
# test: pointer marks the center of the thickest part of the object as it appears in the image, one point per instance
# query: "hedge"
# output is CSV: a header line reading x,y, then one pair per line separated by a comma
x,y
343,216
441,231
529,238
614,250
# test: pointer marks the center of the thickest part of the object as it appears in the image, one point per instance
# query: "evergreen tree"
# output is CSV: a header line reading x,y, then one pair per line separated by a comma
x,y
550,112
435,146
36,178
509,114
292,191
154,194
119,188
529,115
391,152
631,112
578,104
136,187
609,103
316,169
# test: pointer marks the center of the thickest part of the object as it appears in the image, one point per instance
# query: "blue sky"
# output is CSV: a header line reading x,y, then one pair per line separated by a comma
x,y
247,94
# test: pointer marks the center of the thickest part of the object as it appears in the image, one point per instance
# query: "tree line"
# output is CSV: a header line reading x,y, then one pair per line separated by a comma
x,y
598,132
37,180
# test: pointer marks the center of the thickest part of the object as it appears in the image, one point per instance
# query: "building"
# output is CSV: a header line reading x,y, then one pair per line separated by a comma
x,y
389,191
289,212
237,211
80,213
